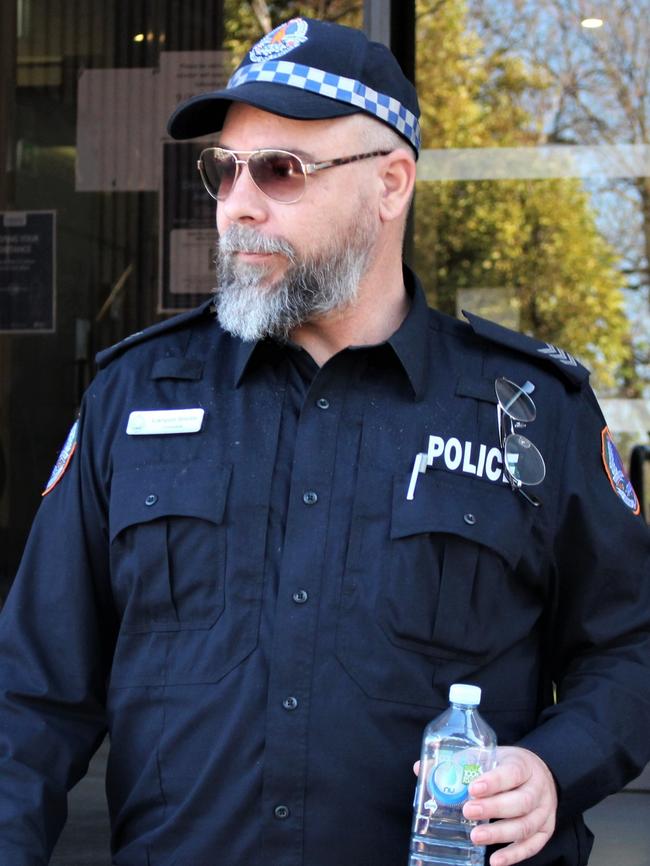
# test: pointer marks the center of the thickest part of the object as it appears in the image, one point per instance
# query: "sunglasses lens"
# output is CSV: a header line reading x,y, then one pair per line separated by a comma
x,y
218,170
514,401
523,462
279,175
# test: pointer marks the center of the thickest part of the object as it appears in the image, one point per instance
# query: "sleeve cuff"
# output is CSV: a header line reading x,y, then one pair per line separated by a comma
x,y
584,774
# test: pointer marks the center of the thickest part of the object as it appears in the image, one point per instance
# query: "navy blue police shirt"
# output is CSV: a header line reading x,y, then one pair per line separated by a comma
x,y
264,623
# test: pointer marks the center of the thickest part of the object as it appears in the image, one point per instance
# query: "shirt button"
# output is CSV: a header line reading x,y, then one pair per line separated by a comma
x,y
469,519
290,703
281,812
151,499
300,597
310,497
323,403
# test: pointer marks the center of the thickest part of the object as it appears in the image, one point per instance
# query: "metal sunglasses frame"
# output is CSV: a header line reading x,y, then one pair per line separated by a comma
x,y
504,410
306,168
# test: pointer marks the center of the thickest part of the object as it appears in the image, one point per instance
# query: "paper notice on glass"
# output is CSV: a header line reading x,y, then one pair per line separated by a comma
x,y
191,261
118,130
122,117
184,74
27,272
188,235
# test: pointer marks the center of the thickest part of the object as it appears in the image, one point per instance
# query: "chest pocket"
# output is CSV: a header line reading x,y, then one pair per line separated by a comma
x,y
168,546
427,585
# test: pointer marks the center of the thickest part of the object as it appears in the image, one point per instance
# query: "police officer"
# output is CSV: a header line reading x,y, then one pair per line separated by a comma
x,y
286,521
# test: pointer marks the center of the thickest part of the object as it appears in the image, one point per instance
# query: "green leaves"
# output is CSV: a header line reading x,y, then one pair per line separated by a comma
x,y
531,245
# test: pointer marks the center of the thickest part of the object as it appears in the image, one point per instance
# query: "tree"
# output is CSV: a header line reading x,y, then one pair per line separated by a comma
x,y
598,78
539,238
598,93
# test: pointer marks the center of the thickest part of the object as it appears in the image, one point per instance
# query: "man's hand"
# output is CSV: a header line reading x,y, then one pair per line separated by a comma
x,y
520,797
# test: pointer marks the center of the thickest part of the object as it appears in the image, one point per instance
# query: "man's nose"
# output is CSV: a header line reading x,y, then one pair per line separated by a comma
x,y
245,200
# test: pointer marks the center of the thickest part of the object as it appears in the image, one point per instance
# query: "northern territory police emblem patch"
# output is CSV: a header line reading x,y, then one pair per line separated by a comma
x,y
280,41
63,460
616,472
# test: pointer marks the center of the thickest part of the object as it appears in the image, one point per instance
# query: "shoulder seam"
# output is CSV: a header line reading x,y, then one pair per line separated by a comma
x,y
559,360
106,356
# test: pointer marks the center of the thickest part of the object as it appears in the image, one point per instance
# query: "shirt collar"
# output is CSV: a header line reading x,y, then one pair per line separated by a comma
x,y
409,342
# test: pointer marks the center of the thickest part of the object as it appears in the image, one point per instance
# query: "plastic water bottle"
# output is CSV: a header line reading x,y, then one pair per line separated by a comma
x,y
456,748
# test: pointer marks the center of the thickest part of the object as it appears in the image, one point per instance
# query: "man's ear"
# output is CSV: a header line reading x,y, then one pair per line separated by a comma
x,y
398,179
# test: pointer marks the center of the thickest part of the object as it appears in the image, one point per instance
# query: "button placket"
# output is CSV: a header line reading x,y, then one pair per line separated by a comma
x,y
300,575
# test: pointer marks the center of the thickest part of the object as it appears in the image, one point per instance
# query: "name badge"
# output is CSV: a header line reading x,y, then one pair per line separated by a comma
x,y
165,422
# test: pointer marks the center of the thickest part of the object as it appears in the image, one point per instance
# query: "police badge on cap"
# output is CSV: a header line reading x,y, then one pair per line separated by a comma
x,y
280,41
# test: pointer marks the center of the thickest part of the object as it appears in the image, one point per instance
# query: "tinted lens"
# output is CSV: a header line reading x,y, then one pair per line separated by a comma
x,y
218,170
523,461
278,174
514,401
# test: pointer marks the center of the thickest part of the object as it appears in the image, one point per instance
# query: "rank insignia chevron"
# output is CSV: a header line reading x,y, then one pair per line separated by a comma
x,y
558,355
544,353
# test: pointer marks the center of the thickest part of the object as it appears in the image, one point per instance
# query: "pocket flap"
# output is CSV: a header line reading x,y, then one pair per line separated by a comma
x,y
177,368
145,493
487,513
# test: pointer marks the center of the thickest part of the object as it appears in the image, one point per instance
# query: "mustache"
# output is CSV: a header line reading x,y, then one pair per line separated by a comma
x,y
243,239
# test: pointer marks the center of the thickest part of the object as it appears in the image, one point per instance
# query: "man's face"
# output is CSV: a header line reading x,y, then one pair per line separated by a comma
x,y
281,265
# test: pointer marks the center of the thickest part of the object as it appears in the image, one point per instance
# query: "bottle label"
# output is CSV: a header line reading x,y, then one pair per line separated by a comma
x,y
450,777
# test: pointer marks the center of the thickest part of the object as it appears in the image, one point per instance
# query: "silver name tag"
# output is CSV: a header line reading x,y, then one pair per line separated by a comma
x,y
165,422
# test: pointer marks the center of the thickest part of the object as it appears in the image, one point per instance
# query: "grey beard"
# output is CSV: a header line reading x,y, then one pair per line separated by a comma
x,y
310,288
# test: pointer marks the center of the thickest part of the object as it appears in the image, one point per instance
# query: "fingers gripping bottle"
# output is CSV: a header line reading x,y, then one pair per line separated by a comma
x,y
456,748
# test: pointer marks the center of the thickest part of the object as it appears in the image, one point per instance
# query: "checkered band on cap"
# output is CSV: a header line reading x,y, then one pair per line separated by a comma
x,y
335,87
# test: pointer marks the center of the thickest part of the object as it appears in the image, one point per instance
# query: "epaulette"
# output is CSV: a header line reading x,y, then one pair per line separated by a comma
x,y
105,357
561,361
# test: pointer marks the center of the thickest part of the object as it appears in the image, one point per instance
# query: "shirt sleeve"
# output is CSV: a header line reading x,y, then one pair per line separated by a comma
x,y
56,639
595,737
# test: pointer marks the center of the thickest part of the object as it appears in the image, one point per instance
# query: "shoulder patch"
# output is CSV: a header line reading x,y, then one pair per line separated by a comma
x,y
613,464
64,458
564,363
104,358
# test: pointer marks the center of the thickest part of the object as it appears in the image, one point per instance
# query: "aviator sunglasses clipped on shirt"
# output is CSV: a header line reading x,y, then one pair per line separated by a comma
x,y
522,462
279,174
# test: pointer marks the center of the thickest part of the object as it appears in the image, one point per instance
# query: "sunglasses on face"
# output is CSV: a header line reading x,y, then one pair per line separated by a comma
x,y
523,463
279,174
